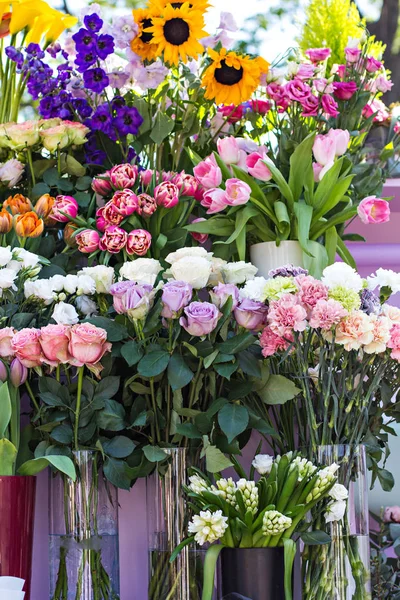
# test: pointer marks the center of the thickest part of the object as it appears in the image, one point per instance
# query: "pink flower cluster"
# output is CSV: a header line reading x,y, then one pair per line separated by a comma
x,y
233,113
327,148
78,345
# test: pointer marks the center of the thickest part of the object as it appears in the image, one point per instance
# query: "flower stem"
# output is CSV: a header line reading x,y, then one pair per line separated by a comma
x,y
81,371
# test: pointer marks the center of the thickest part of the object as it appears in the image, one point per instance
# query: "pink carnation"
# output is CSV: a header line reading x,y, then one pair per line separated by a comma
x,y
271,342
381,334
326,314
394,342
355,331
287,315
311,290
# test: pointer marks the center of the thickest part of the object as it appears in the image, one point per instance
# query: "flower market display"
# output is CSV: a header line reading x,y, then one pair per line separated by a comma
x,y
177,289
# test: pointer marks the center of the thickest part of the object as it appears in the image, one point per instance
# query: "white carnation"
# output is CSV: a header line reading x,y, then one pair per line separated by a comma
x,y
86,285
103,277
339,492
343,275
263,463
65,314
254,289
194,270
5,256
173,257
335,511
238,272
392,313
141,270
385,278
86,306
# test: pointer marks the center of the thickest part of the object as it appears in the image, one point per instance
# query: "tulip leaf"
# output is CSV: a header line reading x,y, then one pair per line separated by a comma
x,y
315,538
316,263
8,457
5,409
303,214
218,226
242,217
300,163
233,420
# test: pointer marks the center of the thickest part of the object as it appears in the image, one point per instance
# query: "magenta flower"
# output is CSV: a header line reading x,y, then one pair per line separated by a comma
x,y
297,90
374,210
318,54
138,242
329,106
344,90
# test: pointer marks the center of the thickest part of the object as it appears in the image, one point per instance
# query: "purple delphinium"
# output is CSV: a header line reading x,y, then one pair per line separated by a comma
x,y
287,271
96,80
370,303
104,45
93,22
128,120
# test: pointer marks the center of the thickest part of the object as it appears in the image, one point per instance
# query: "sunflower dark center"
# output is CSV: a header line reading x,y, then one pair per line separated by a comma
x,y
176,31
228,75
146,36
179,4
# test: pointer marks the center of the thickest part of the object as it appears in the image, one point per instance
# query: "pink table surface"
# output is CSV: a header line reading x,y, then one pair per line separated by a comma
x,y
382,250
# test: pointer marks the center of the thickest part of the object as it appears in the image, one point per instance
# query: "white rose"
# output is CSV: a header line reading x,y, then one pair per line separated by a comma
x,y
103,277
71,283
41,289
173,257
343,275
5,256
11,172
195,270
339,492
86,285
57,283
335,511
238,272
7,278
29,260
141,270
254,289
216,276
86,306
65,314
263,463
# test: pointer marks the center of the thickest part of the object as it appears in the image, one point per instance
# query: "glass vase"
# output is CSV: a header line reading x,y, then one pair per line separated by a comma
x,y
341,570
168,517
83,527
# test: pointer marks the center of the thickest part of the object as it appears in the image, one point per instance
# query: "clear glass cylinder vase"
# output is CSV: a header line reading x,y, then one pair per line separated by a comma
x,y
83,530
341,570
167,520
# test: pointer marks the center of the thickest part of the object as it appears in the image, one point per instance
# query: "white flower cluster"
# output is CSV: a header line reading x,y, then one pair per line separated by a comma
x,y
275,522
325,478
197,484
249,493
337,507
340,274
12,263
306,468
226,488
208,526
141,270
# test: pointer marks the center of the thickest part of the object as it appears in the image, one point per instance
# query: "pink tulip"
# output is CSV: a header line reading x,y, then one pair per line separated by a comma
x,y
3,372
64,209
317,168
374,210
208,173
101,222
237,192
229,151
54,340
87,240
18,373
102,186
146,176
139,241
166,194
256,166
147,205
125,202
318,54
113,240
123,176
341,138
214,200
324,149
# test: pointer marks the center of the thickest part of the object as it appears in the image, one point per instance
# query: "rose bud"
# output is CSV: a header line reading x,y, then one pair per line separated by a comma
x,y
69,235
6,336
18,373
126,202
147,205
6,221
64,209
28,225
251,315
3,372
139,241
113,240
44,205
101,185
87,240
18,204
123,176
167,194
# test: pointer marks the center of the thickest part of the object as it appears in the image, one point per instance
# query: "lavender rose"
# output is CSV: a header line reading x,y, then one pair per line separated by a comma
x,y
222,292
251,315
132,299
176,295
201,318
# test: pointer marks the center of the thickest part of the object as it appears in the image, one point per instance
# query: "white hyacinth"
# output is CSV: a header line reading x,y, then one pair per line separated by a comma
x,y
306,468
226,489
263,463
275,523
325,478
208,526
249,493
197,484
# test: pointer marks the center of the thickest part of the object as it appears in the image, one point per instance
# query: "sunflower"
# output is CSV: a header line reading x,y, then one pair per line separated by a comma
x,y
232,78
177,33
198,5
143,44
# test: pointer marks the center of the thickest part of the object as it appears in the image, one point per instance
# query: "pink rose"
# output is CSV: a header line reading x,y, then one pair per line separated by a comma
x,y
125,202
297,90
139,241
352,54
147,205
344,90
101,222
88,241
26,347
214,200
318,54
54,340
123,176
146,177
101,185
208,173
374,210
310,106
237,192
341,138
256,166
166,194
87,346
329,106
199,237
64,209
392,514
394,342
271,342
6,336
229,151
324,149
373,65
113,240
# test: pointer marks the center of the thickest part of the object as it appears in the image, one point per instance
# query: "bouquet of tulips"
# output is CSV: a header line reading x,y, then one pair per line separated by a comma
x,y
266,513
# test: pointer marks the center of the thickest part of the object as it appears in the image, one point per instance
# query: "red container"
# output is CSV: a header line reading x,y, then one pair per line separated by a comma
x,y
17,513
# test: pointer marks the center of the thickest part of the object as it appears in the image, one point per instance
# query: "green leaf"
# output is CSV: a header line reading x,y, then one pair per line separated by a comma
x,y
163,126
226,369
386,479
118,447
336,195
107,388
300,162
315,538
117,472
215,460
242,217
115,331
237,343
154,453
112,417
326,185
282,215
249,364
331,238
5,409
278,390
154,363
179,374
281,183
62,463
233,420
345,254
303,214
219,226
8,457
22,320
188,430
289,547
316,260
62,434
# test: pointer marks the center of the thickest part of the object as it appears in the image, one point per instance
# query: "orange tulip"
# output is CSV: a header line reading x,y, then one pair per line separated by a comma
x,y
69,235
18,204
5,221
44,205
5,25
28,225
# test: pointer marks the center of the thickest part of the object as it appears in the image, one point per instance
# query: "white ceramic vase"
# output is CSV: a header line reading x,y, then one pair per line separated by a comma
x,y
267,255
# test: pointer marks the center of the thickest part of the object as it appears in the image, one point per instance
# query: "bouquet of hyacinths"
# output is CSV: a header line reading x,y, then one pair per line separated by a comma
x,y
267,513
